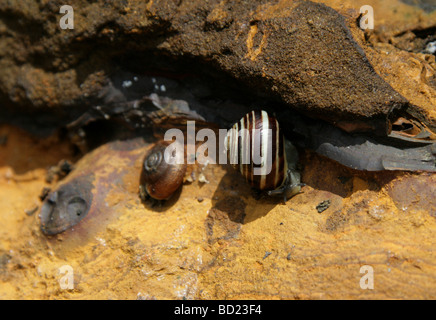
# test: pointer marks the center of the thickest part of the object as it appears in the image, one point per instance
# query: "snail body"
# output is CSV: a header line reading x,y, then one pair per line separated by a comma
x,y
256,147
163,171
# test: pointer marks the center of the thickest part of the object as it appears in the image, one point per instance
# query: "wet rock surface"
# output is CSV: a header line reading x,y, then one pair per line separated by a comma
x,y
216,238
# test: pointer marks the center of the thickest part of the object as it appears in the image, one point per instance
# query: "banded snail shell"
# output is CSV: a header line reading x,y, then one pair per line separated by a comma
x,y
256,147
162,176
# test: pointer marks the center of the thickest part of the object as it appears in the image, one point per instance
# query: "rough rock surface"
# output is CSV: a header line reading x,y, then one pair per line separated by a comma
x,y
216,240
287,50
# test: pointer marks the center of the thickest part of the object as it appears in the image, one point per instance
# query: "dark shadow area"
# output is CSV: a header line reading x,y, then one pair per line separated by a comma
x,y
232,203
161,205
324,174
359,151
224,219
118,110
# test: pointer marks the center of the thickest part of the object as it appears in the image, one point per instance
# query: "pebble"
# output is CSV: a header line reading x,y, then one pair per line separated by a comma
x,y
431,47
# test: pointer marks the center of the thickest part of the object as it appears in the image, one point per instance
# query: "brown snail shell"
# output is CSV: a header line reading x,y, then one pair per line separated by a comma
x,y
282,179
162,174
239,144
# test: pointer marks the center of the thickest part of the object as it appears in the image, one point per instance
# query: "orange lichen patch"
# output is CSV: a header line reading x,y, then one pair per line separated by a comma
x,y
255,49
221,239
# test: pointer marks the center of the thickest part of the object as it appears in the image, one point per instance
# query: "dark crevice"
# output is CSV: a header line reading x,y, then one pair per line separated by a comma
x,y
31,29
425,33
414,40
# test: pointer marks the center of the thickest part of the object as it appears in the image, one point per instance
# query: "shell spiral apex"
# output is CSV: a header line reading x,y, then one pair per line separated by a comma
x,y
163,171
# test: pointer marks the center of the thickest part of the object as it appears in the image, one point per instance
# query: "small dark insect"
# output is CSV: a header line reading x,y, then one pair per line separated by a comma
x,y
323,205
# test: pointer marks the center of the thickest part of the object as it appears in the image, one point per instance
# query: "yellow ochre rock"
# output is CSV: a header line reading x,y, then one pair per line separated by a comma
x,y
216,240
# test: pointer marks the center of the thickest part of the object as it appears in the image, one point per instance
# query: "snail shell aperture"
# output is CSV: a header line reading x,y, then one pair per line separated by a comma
x,y
163,170
258,133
